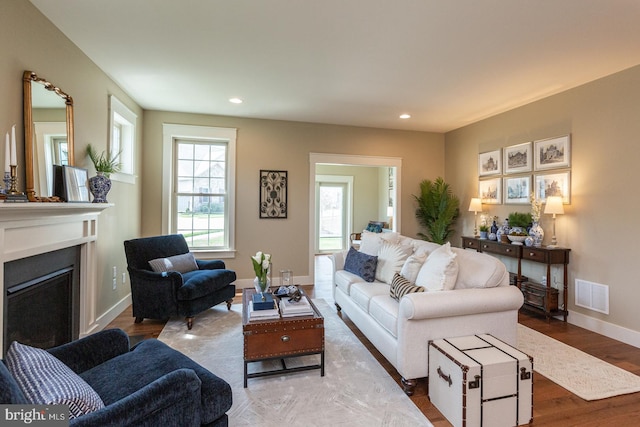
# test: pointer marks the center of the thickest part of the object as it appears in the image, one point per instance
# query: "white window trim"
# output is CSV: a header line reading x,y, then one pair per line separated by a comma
x,y
129,120
171,132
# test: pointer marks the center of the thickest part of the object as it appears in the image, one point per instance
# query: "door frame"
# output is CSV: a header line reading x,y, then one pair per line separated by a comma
x,y
348,160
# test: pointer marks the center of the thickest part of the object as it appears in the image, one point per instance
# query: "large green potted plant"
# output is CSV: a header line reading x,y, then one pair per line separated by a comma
x,y
438,208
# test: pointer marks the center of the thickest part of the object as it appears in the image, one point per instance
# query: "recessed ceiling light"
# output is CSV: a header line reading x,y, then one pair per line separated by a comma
x,y
235,100
405,116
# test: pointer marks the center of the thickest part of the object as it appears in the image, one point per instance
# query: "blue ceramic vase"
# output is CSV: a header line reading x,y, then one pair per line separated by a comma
x,y
99,186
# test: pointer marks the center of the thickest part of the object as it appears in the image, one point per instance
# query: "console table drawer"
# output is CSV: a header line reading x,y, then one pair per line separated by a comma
x,y
501,248
470,243
546,256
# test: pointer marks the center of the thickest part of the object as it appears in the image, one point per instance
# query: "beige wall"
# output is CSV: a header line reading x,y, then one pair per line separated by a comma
x,y
28,41
600,223
281,145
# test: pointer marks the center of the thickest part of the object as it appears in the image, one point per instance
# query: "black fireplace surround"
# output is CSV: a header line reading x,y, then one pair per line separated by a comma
x,y
42,299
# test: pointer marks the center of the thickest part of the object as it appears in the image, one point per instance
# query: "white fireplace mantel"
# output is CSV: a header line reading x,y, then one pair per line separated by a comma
x,y
28,229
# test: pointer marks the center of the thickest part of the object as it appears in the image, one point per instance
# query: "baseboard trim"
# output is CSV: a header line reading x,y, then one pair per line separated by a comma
x,y
111,314
607,329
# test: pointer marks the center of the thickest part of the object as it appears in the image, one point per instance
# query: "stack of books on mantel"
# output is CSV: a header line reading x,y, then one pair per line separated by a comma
x,y
295,308
263,314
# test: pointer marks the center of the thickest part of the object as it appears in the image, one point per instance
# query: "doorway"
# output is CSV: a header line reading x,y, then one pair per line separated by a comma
x,y
334,201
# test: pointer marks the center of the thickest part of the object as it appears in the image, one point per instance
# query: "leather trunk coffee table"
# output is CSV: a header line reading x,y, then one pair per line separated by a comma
x,y
281,338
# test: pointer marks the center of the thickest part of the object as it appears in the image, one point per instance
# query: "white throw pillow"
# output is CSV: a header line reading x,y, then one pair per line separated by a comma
x,y
372,242
391,258
440,270
412,266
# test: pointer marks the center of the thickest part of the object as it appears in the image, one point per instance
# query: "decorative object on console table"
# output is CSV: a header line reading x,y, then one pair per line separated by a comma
x,y
105,166
554,206
484,231
536,232
475,206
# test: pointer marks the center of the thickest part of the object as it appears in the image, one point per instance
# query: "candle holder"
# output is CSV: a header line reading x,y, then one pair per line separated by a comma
x,y
13,195
7,182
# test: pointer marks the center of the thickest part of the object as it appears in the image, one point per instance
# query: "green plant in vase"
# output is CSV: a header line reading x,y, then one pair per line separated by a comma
x,y
484,231
101,184
519,221
438,208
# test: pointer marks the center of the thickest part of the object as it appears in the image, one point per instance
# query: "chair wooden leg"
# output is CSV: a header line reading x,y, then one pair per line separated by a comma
x,y
408,385
138,320
229,302
189,323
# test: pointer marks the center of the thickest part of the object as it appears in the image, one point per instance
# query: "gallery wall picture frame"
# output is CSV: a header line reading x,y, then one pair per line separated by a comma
x,y
517,190
490,191
518,158
553,184
552,153
76,184
490,163
273,194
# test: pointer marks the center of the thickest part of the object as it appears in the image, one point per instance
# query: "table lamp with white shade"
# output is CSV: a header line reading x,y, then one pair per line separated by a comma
x,y
554,206
475,206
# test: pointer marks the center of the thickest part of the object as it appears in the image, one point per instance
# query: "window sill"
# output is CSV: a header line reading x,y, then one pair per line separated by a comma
x,y
214,254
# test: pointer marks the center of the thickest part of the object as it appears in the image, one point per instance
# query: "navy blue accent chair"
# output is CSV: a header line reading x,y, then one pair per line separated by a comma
x,y
150,384
162,295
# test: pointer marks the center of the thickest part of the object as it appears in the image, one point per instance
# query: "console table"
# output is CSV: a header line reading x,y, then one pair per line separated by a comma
x,y
537,297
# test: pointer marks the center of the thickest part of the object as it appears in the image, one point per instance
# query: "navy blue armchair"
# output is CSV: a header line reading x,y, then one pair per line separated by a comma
x,y
160,295
150,384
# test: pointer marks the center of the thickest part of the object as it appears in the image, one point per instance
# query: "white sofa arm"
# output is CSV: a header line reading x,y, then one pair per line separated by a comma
x,y
338,260
460,302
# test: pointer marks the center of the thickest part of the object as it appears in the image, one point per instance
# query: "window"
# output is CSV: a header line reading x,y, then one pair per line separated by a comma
x,y
198,193
122,126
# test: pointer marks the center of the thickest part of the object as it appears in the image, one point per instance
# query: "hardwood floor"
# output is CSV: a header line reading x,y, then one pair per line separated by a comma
x,y
553,405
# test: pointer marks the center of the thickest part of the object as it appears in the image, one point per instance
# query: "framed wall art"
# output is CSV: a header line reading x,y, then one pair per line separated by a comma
x,y
518,158
273,194
489,163
517,189
553,184
552,153
490,191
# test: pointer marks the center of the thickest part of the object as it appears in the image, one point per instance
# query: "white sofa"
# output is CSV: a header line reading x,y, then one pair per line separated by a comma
x,y
481,301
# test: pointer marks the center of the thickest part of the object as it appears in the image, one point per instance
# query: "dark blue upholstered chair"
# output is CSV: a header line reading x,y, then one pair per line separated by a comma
x,y
162,295
150,384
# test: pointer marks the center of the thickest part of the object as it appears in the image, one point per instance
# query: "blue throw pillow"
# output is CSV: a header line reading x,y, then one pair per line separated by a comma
x,y
361,264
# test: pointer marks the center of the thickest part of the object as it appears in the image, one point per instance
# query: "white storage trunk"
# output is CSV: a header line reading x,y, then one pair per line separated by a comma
x,y
480,381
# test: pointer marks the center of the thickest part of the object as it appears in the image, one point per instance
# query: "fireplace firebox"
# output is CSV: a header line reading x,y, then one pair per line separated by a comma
x,y
42,299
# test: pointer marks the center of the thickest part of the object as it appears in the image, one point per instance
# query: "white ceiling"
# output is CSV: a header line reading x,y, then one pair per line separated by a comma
x,y
354,62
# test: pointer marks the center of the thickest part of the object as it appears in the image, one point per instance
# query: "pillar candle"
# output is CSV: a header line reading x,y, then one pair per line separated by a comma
x,y
7,154
14,160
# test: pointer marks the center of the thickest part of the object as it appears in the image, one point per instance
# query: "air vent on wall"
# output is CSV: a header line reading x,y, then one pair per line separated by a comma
x,y
593,296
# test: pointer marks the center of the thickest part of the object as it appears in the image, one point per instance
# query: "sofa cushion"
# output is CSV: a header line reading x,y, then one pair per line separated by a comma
x,y
401,287
391,258
361,293
344,280
45,380
478,270
199,283
182,263
384,310
362,264
151,360
371,242
440,270
412,266
10,392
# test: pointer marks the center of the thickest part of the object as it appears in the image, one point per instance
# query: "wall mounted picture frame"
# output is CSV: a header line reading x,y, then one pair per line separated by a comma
x,y
76,184
490,163
273,194
490,191
517,189
553,153
553,184
518,158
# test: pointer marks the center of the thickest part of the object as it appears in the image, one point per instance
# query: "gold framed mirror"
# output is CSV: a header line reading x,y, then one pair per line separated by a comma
x,y
48,134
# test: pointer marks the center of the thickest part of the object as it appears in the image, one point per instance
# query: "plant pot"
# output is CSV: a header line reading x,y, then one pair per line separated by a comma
x,y
99,186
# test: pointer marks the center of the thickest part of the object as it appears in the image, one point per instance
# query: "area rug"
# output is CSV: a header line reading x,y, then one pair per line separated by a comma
x,y
355,391
582,374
